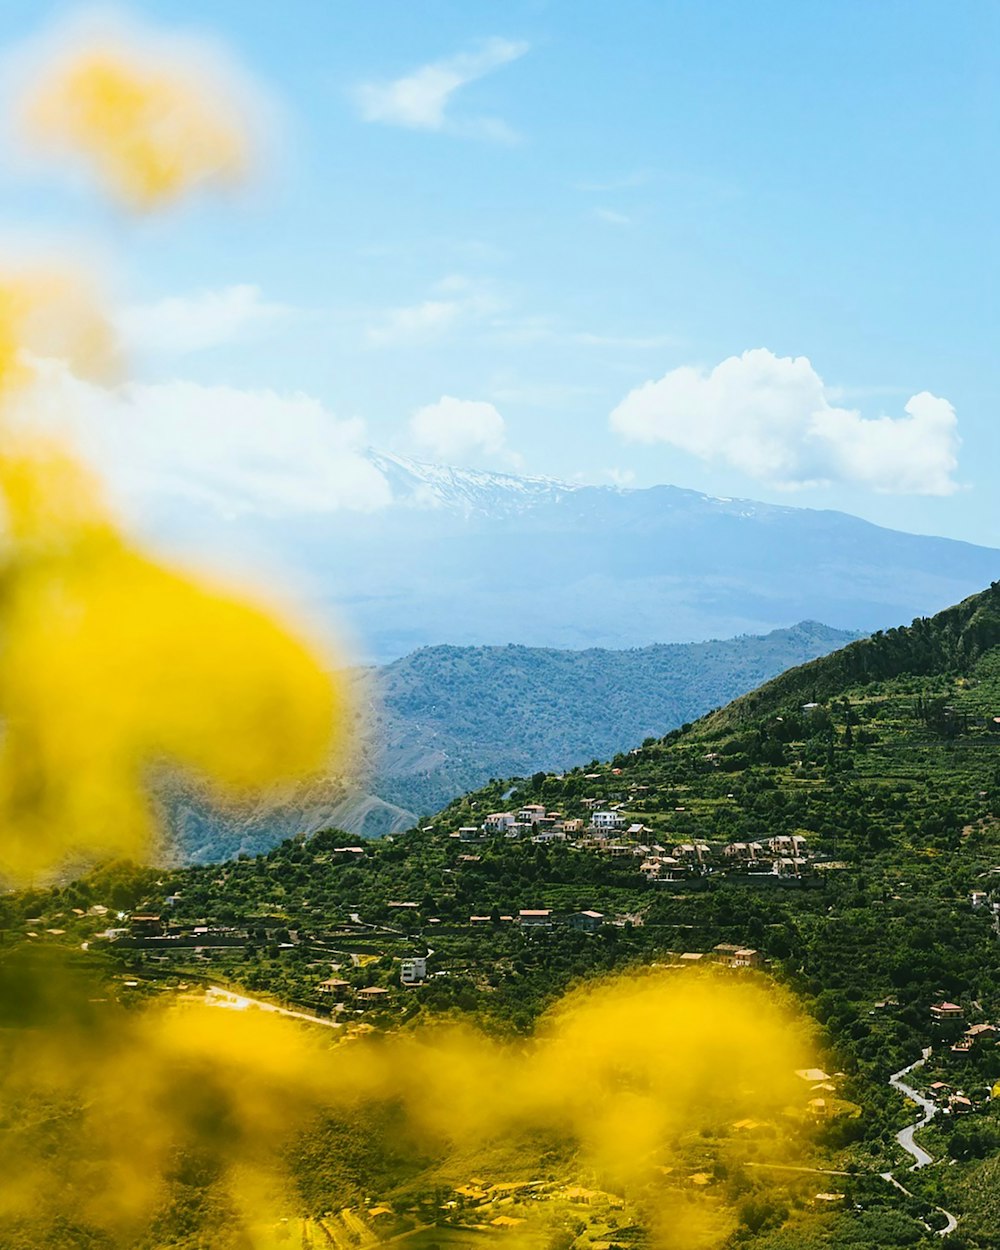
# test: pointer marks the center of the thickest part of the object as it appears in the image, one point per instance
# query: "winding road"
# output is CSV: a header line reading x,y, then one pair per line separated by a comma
x,y
905,1136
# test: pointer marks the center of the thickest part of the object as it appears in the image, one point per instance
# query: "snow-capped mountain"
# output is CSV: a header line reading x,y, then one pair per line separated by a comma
x,y
468,492
418,484
471,558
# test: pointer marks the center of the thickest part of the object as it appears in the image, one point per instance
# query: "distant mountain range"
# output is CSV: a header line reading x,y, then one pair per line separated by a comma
x,y
445,720
474,558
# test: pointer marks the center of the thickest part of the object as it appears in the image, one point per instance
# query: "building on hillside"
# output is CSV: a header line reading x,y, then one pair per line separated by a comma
x,y
978,898
470,833
413,971
499,822
531,814
662,868
973,1036
145,925
548,835
372,996
732,956
787,844
947,1011
586,921
534,918
607,820
693,851
333,987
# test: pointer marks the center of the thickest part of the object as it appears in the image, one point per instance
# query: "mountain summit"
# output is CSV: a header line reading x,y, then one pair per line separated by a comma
x,y
474,558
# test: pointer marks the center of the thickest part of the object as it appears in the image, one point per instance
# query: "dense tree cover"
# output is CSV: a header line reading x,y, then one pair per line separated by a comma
x,y
448,718
892,776
952,642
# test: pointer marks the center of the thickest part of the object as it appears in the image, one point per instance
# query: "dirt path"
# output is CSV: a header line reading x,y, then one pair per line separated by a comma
x,y
216,996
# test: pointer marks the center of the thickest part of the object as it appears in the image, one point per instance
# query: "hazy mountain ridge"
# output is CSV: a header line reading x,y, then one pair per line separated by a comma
x,y
490,558
446,719
451,713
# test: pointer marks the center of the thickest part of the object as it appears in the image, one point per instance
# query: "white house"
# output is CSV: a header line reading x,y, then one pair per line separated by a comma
x,y
413,971
499,822
607,820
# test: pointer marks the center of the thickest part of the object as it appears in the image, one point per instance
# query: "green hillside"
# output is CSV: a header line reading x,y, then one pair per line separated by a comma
x,y
449,718
883,759
444,720
950,643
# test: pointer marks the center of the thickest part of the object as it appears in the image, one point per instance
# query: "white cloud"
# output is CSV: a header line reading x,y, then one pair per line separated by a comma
x,y
454,300
417,323
420,100
771,417
179,325
237,451
461,430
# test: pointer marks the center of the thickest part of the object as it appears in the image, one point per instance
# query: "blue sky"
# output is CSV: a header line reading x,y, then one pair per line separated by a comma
x,y
618,200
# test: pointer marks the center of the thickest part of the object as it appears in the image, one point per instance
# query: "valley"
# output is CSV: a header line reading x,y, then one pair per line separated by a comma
x,y
836,833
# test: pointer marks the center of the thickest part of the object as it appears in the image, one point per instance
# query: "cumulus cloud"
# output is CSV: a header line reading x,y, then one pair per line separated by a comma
x,y
460,430
420,100
772,418
238,451
179,325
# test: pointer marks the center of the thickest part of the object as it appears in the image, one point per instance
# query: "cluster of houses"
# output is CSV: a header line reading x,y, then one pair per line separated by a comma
x,y
609,832
725,954
954,1100
974,1036
412,971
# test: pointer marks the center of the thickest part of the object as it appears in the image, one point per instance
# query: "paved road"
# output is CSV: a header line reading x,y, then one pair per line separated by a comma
x,y
216,996
905,1135
930,1110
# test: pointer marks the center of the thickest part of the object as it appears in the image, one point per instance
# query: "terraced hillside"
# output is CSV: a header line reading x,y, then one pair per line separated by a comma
x,y
837,832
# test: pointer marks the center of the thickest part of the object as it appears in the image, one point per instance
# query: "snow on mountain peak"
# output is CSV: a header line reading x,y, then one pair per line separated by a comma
x,y
418,484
